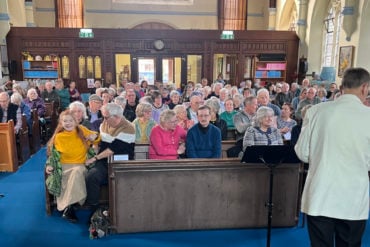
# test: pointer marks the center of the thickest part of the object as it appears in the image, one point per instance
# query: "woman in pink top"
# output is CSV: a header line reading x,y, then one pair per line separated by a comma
x,y
167,139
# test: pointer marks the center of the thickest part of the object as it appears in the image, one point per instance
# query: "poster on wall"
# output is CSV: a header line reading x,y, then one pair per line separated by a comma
x,y
90,83
345,59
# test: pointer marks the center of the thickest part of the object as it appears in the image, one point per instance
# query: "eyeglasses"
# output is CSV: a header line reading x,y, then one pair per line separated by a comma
x,y
203,116
106,118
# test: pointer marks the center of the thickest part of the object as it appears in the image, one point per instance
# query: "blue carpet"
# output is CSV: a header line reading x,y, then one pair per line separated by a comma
x,y
24,222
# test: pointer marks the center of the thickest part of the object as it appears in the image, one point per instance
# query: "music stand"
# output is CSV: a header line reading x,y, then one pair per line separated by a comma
x,y
271,156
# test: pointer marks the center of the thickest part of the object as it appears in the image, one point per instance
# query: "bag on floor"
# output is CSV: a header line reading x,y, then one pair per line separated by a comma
x,y
99,224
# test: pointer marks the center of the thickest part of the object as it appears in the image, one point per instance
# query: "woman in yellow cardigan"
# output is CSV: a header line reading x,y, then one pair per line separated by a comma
x,y
72,142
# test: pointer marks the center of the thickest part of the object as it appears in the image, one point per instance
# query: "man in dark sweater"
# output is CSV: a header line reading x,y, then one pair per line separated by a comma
x,y
203,139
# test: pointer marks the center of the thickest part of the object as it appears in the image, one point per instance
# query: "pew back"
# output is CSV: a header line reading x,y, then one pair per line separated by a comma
x,y
8,157
142,149
189,194
23,144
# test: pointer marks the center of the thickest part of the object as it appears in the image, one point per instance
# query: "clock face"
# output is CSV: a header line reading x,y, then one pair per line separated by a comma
x,y
158,44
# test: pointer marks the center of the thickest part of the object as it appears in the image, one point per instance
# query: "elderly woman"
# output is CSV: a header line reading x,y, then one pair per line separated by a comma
x,y
167,140
262,132
175,99
229,113
34,102
214,104
78,111
157,107
17,99
143,122
182,117
74,94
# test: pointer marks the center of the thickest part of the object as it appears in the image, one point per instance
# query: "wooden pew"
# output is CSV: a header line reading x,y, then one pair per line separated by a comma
x,y
192,194
23,144
142,149
141,153
51,118
35,137
231,134
8,157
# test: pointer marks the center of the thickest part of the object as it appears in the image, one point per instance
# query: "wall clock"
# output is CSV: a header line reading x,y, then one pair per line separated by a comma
x,y
158,44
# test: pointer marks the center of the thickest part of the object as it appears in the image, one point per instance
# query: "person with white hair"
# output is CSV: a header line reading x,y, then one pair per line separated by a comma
x,y
262,131
263,99
35,102
78,111
10,111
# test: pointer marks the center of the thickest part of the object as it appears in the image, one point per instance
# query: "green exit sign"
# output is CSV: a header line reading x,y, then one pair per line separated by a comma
x,y
227,35
86,33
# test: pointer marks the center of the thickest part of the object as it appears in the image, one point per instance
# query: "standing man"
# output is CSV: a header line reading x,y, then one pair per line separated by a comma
x,y
203,140
335,142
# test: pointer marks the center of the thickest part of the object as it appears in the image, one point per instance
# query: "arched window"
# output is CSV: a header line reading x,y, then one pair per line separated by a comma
x,y
332,24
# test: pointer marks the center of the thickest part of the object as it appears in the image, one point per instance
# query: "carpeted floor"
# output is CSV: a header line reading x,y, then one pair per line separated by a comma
x,y
24,222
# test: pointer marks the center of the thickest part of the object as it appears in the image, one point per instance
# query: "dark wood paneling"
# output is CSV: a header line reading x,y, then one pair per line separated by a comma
x,y
107,42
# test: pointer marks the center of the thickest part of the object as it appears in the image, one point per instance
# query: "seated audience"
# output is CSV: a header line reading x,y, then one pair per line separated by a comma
x,y
182,118
242,121
284,96
72,142
238,102
203,140
214,105
64,97
74,94
49,94
18,89
229,113
311,99
117,137
263,99
175,99
17,99
295,101
35,103
195,102
93,111
262,132
157,107
167,139
10,111
144,122
131,103
78,111
285,123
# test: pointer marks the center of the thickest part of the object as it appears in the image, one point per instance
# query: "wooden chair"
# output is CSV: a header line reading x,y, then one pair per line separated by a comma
x,y
8,157
23,144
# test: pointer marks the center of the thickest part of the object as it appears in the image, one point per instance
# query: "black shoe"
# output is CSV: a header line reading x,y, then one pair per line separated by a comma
x,y
69,214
